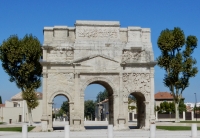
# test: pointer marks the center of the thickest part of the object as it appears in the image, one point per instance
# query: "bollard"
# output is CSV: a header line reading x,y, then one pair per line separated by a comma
x,y
67,131
24,131
85,118
194,130
63,119
152,130
110,131
54,119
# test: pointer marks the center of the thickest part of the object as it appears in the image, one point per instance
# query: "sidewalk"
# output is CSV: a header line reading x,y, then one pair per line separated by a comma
x,y
101,133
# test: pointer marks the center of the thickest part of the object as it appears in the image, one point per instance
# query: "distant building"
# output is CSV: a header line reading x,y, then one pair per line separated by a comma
x,y
15,110
161,97
102,110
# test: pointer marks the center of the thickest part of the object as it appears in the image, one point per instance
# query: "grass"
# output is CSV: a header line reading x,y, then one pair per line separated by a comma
x,y
190,122
175,128
18,129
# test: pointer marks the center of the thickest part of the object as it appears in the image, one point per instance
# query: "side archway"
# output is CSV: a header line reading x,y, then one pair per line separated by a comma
x,y
50,109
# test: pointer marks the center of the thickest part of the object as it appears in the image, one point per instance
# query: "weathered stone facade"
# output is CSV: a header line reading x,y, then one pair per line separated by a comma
x,y
120,59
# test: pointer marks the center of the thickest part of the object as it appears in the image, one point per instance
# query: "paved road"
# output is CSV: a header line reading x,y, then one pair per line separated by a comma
x,y
101,133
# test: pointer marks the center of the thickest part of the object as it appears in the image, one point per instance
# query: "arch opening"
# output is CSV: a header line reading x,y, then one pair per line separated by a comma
x,y
60,111
103,99
136,110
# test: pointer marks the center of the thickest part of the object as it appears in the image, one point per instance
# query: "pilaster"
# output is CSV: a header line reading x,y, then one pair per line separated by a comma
x,y
152,116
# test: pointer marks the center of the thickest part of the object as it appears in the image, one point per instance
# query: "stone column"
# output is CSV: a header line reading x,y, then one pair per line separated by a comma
x,y
121,114
152,114
44,101
78,118
147,115
133,117
128,116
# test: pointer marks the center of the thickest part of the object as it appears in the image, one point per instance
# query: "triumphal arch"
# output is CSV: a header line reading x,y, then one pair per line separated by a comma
x,y
99,52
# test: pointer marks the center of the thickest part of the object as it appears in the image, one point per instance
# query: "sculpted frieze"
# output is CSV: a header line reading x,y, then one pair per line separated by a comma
x,y
60,82
97,33
129,56
60,55
136,82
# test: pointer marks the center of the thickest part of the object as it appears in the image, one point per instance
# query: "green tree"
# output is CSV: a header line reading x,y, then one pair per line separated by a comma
x,y
20,60
177,62
90,109
131,99
0,100
169,107
102,96
65,107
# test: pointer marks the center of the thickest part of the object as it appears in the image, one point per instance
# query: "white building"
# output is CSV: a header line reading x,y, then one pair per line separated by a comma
x,y
15,110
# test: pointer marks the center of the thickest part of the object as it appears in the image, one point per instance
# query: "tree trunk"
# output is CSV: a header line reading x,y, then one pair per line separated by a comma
x,y
30,117
177,119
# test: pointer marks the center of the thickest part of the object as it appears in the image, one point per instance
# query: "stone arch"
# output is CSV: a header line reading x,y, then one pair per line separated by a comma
x,y
60,93
112,92
141,107
99,79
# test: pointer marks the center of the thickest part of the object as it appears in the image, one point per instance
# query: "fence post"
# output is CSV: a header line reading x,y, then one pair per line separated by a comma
x,y
67,131
110,131
194,130
24,131
152,130
128,116
156,115
192,115
183,115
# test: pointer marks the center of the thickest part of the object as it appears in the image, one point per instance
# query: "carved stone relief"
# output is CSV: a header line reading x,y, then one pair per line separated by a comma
x,y
129,56
136,82
97,33
60,82
60,54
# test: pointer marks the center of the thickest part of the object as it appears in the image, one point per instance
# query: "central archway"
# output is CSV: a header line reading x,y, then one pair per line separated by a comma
x,y
109,86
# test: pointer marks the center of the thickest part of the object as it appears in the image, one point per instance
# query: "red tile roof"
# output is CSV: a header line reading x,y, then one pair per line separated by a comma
x,y
2,105
163,95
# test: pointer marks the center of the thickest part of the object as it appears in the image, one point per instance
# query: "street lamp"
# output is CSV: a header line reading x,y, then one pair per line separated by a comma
x,y
196,105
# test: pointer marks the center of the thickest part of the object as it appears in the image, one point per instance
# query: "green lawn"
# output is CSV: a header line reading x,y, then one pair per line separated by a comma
x,y
190,122
18,129
175,128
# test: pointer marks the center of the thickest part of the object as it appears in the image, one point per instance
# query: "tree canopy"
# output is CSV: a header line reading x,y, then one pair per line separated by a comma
x,y
177,61
65,107
101,96
90,109
169,107
20,60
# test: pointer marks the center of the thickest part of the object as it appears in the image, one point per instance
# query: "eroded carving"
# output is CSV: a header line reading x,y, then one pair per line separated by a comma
x,y
59,54
97,32
130,56
60,82
136,82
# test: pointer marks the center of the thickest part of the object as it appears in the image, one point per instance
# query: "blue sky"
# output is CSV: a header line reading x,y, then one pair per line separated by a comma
x,y
24,17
